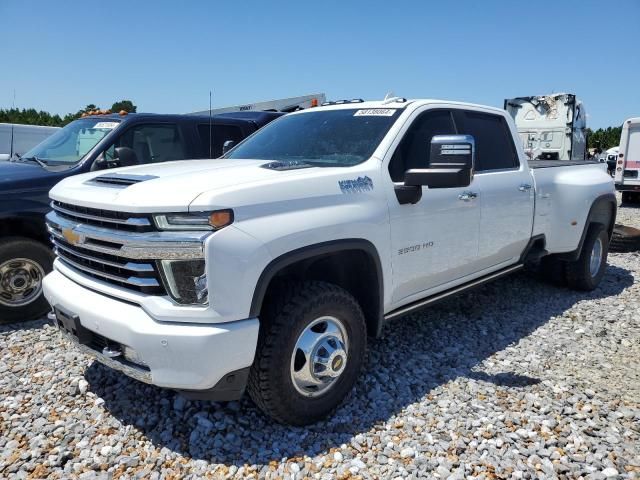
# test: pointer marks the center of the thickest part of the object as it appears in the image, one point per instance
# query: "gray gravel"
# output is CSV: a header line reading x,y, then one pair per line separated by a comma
x,y
628,215
516,380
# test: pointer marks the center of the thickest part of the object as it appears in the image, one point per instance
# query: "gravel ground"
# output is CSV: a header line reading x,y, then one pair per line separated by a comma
x,y
516,380
628,215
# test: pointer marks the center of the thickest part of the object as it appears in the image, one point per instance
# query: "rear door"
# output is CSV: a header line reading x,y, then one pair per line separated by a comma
x,y
505,187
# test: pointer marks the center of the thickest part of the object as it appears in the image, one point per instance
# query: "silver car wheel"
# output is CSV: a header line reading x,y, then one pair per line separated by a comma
x,y
20,282
320,356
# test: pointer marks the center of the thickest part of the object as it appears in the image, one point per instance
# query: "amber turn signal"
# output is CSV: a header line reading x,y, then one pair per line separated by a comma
x,y
221,218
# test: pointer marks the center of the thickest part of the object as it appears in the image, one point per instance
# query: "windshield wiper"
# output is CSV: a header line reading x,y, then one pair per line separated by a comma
x,y
40,162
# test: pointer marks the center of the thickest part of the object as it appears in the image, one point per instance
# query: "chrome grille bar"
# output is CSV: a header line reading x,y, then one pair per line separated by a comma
x,y
136,281
131,221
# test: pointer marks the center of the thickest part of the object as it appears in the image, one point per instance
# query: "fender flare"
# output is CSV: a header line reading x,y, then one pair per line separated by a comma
x,y
319,250
602,200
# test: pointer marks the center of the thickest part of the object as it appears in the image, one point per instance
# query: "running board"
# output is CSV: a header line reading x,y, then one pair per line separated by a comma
x,y
425,302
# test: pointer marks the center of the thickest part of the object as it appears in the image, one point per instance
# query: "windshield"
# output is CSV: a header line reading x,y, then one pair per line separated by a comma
x,y
339,138
70,144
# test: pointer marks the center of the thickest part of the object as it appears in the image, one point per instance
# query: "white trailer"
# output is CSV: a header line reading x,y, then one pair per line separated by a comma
x,y
16,139
551,127
627,176
283,105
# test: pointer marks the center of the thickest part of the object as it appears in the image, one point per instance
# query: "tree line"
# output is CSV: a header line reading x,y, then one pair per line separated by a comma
x,y
604,138
31,116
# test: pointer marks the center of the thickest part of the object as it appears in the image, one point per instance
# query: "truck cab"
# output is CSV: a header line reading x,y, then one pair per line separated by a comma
x,y
95,142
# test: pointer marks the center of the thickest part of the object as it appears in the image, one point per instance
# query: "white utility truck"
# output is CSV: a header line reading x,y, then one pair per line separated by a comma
x,y
551,127
268,269
628,164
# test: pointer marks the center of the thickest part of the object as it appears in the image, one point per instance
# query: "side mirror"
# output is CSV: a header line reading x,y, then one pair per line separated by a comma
x,y
126,157
228,145
451,166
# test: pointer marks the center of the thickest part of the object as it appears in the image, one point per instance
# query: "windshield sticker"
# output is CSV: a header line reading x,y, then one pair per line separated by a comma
x,y
360,184
375,112
106,125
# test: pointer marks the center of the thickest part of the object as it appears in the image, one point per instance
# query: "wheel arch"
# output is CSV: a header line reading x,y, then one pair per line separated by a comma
x,y
602,211
28,226
353,264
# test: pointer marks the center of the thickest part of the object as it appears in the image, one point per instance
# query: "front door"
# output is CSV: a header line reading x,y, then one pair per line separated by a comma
x,y
435,241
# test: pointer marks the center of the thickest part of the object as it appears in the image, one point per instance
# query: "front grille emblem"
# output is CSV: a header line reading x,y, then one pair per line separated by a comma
x,y
72,237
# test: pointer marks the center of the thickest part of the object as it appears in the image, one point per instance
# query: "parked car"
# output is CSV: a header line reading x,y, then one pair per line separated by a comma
x,y
268,269
16,139
88,144
628,166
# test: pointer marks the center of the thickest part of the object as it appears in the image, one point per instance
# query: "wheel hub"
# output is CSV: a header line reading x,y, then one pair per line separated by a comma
x,y
320,356
20,282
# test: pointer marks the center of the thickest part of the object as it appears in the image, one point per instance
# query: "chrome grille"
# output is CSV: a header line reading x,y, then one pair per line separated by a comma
x,y
138,276
91,242
103,218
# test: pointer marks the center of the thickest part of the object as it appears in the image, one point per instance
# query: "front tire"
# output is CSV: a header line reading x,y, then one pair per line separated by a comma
x,y
310,352
587,271
23,265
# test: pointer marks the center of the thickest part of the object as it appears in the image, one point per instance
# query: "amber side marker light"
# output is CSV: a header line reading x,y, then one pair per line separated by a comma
x,y
221,218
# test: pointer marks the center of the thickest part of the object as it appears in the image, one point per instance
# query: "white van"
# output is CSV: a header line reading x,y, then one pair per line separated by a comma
x,y
16,139
628,165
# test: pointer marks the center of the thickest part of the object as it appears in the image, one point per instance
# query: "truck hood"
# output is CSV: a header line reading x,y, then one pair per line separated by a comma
x,y
16,176
170,186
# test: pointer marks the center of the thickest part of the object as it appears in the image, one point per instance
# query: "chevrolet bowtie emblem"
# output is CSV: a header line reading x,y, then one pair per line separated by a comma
x,y
71,236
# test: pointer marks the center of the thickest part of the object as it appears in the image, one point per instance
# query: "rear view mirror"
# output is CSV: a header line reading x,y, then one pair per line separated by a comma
x,y
228,145
451,166
126,157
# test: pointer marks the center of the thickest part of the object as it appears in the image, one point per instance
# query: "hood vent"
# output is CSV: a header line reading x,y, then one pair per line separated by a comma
x,y
120,180
284,165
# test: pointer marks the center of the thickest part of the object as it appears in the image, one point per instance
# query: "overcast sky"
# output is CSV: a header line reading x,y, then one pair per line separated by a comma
x,y
167,55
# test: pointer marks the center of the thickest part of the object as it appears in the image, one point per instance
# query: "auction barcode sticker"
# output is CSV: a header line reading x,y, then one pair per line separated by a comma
x,y
106,125
375,112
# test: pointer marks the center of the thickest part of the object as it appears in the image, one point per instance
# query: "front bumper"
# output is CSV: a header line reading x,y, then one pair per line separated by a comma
x,y
182,356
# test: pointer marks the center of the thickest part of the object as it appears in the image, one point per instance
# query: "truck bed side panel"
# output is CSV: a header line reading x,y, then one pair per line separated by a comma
x,y
564,196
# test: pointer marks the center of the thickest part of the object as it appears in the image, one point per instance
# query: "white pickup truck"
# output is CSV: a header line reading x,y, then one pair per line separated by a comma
x,y
269,268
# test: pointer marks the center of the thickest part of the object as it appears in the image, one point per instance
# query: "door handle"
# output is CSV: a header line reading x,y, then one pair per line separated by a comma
x,y
466,196
524,187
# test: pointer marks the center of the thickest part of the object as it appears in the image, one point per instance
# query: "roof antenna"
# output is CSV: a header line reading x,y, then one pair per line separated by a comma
x,y
210,129
13,126
389,96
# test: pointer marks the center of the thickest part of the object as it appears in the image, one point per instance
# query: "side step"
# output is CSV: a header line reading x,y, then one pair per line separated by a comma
x,y
428,301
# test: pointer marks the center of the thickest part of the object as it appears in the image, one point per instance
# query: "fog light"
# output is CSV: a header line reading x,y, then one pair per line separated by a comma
x,y
185,281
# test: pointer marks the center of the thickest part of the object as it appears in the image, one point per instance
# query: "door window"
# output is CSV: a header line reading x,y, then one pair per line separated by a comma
x,y
494,145
152,143
221,133
415,148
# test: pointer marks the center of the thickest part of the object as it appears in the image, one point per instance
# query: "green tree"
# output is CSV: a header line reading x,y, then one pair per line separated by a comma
x,y
604,138
126,105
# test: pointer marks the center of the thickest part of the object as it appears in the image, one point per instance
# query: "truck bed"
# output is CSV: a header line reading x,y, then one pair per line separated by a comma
x,y
559,163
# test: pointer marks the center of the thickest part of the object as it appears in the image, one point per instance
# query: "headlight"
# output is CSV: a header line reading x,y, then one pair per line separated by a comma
x,y
185,281
194,221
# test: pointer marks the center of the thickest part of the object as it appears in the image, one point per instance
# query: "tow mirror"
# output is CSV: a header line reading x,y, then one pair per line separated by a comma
x,y
126,157
451,166
228,145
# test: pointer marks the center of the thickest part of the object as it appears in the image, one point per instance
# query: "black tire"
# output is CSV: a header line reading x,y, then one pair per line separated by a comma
x,y
36,252
294,307
579,275
624,239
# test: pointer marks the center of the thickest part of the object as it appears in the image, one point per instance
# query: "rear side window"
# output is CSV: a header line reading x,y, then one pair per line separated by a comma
x,y
221,133
494,145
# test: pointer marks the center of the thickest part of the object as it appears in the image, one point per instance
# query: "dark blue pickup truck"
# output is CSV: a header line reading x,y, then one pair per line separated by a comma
x,y
91,143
